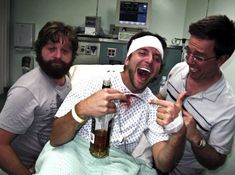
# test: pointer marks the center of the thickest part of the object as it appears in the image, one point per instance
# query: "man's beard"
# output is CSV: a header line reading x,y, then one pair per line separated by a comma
x,y
54,68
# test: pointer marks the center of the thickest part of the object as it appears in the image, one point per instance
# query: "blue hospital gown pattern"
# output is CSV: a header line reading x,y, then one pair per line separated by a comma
x,y
131,120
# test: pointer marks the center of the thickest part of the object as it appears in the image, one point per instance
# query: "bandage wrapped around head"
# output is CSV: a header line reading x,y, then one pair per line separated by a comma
x,y
146,41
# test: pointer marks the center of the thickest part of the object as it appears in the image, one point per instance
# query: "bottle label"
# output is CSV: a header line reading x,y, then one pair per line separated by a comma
x,y
92,139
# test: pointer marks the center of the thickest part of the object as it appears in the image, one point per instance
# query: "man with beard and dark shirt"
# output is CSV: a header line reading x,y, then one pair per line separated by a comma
x,y
27,116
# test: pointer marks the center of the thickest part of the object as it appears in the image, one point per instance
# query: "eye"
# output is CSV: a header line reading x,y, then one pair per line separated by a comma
x,y
65,50
51,49
142,53
157,58
198,57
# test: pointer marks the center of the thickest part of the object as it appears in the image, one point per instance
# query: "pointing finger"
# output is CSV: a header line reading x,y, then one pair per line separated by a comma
x,y
115,94
159,102
180,99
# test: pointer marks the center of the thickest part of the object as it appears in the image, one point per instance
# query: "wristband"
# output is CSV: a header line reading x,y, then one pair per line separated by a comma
x,y
175,125
76,117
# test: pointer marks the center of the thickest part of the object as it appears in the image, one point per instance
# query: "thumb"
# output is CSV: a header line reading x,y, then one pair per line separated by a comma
x,y
186,113
180,99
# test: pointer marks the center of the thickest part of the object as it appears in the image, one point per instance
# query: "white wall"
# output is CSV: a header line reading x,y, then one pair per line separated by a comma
x,y
170,18
226,7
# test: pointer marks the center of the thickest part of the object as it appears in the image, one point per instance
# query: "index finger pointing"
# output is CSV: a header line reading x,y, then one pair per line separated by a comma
x,y
180,99
115,95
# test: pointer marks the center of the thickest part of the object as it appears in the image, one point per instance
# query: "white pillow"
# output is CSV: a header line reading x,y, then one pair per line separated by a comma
x,y
83,71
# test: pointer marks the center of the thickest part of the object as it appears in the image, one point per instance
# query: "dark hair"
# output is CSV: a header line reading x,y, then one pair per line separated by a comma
x,y
145,33
218,28
53,31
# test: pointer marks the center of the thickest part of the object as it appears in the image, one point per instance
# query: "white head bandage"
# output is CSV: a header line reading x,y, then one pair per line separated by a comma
x,y
146,41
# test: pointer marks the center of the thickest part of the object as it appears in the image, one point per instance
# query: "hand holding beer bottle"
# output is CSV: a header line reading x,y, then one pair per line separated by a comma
x,y
100,131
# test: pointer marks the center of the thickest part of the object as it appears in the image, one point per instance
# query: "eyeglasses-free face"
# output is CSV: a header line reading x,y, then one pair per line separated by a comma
x,y
198,57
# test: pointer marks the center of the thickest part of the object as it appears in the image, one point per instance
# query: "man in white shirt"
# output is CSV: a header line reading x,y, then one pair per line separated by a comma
x,y
209,109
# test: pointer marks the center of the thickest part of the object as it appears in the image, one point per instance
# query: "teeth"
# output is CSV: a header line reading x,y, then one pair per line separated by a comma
x,y
145,69
193,69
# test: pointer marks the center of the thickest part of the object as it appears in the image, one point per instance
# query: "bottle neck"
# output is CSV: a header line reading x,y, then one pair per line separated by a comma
x,y
106,84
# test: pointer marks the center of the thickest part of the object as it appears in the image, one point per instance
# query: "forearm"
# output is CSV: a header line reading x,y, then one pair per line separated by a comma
x,y
170,152
64,130
10,163
208,157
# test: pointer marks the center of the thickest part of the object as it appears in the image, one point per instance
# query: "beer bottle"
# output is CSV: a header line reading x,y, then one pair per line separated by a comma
x,y
100,131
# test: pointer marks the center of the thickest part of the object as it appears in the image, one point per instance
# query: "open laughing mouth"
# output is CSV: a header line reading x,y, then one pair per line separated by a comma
x,y
143,73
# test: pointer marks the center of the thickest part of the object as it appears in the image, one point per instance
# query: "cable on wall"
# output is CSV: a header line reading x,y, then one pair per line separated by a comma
x,y
207,8
97,8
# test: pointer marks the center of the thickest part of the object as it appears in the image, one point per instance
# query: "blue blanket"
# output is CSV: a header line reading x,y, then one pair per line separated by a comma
x,y
74,158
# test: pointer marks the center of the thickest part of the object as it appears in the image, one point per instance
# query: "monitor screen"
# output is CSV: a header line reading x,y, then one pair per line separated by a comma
x,y
133,13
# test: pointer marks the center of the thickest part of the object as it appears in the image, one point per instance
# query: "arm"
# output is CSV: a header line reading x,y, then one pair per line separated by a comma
x,y
207,156
9,161
16,115
65,126
96,105
167,153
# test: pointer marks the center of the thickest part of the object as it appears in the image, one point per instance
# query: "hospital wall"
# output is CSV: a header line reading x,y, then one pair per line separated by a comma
x,y
170,18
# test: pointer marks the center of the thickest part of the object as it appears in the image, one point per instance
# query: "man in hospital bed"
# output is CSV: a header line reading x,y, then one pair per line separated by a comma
x,y
68,149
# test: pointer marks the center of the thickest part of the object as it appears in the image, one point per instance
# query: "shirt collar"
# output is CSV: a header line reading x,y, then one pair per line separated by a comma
x,y
215,90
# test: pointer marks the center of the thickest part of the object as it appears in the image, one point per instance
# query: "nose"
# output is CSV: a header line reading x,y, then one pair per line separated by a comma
x,y
150,58
190,59
58,53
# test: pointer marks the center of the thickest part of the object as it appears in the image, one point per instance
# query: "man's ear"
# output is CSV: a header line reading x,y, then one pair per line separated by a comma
x,y
127,60
222,59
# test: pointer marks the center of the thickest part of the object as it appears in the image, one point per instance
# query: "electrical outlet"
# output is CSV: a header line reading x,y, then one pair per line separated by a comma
x,y
111,52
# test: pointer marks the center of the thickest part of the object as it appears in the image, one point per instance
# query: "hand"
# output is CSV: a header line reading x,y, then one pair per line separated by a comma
x,y
100,103
192,134
168,111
